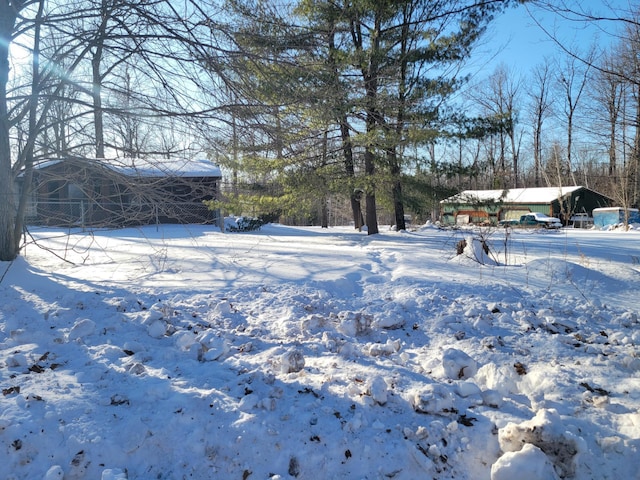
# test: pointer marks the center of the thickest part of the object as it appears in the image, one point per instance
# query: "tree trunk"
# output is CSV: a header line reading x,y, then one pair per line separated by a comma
x,y
33,129
8,242
345,136
370,194
96,91
612,147
324,210
392,153
324,213
370,76
398,205
537,153
371,217
98,123
396,190
356,209
515,154
347,152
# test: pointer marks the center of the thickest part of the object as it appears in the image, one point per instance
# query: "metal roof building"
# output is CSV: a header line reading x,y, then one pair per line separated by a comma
x,y
491,206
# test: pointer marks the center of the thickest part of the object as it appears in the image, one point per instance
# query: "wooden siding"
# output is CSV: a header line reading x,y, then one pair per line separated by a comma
x,y
80,192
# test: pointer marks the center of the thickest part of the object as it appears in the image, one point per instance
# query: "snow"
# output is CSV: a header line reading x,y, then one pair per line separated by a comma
x,y
176,352
152,167
156,167
513,195
529,463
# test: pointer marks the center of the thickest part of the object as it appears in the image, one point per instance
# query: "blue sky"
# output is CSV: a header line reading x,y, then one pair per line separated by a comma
x,y
516,40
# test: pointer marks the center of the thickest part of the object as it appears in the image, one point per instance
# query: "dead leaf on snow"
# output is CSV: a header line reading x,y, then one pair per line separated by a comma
x,y
520,368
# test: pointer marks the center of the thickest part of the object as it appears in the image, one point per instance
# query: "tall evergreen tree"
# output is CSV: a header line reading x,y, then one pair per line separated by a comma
x,y
402,52
378,72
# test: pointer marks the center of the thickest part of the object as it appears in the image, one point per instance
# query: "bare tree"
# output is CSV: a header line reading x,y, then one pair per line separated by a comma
x,y
500,100
65,73
539,95
609,91
571,78
9,238
625,75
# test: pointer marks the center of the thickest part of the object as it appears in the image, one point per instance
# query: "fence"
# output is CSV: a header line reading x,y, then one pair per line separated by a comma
x,y
85,213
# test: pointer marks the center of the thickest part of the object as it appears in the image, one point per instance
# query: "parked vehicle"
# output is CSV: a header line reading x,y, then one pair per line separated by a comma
x,y
581,220
605,218
533,220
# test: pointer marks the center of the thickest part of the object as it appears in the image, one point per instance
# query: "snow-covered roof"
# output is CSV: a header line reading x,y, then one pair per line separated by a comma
x,y
614,209
164,167
156,167
512,195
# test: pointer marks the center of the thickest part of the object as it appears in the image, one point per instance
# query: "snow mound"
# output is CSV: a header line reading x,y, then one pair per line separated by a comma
x,y
475,250
54,473
377,389
557,270
157,328
458,365
435,399
213,346
530,463
82,328
292,361
382,349
113,474
354,323
547,432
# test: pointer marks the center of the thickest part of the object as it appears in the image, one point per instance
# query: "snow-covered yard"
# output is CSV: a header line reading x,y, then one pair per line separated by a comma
x,y
182,352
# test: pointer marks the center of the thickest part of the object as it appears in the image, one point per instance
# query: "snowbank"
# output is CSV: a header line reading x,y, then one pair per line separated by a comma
x,y
297,353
